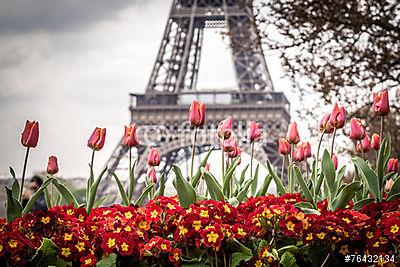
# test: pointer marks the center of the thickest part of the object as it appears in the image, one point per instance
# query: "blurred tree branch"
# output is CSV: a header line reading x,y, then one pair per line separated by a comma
x,y
342,49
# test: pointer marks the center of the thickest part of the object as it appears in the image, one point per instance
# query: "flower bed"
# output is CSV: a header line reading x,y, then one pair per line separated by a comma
x,y
261,231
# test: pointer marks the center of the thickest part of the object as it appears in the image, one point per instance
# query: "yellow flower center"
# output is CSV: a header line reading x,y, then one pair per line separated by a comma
x,y
309,236
12,243
204,213
124,247
154,214
67,237
111,242
45,220
70,212
163,246
227,209
196,225
80,246
394,229
88,261
241,232
182,230
170,206
128,215
347,220
370,235
212,237
128,228
65,252
321,235
290,226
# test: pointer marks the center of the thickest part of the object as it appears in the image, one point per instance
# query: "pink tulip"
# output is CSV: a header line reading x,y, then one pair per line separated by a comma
x,y
375,141
30,135
97,139
229,144
335,161
324,126
197,113
307,149
364,145
224,130
338,117
293,134
254,131
389,184
357,131
152,175
234,153
52,166
298,153
284,146
381,103
393,165
154,158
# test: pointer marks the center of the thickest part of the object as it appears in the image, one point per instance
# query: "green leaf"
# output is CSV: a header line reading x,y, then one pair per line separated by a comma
x,y
213,186
369,175
186,192
317,187
108,261
13,207
361,203
241,252
238,257
15,185
99,201
46,255
196,178
290,248
306,192
255,181
139,201
242,195
229,172
243,174
161,186
279,185
65,193
121,189
383,157
32,200
288,260
328,168
93,191
47,198
264,188
346,195
233,201
393,197
306,207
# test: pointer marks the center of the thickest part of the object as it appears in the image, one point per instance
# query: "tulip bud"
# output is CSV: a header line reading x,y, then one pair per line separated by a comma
x,y
375,141
338,117
224,130
235,152
292,134
393,165
154,158
229,144
364,145
389,184
130,136
207,166
335,161
298,153
197,113
284,146
97,139
324,126
357,131
152,175
30,135
307,150
381,103
52,166
254,131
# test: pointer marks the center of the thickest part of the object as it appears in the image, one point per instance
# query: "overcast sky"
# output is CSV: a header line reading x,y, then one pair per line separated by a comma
x,y
71,64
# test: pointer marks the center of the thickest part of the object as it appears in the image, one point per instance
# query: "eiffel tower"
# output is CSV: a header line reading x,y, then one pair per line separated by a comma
x,y
161,112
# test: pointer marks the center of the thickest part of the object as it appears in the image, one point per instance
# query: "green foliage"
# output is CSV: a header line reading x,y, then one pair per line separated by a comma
x,y
46,255
32,200
109,261
65,193
186,192
121,189
213,186
279,185
93,190
13,207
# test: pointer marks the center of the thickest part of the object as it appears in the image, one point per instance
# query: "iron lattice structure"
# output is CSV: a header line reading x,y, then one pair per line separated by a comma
x,y
161,112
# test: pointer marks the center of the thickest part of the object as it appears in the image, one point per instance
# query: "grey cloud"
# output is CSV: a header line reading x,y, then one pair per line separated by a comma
x,y
19,16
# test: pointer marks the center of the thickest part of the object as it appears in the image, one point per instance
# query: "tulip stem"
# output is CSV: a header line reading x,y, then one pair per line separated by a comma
x,y
283,165
307,167
223,159
131,178
193,150
23,174
382,126
251,160
333,140
92,160
362,150
291,181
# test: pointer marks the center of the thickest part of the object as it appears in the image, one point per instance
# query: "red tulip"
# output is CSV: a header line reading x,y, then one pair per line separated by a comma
x,y
30,135
97,139
324,126
224,130
357,131
335,161
284,146
152,175
154,158
293,134
235,152
229,144
393,165
375,141
381,103
254,131
52,166
130,136
307,150
338,117
298,153
364,145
